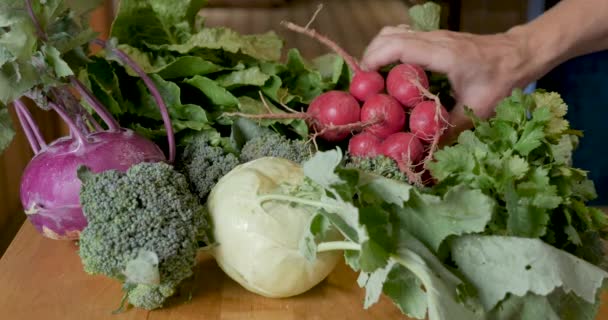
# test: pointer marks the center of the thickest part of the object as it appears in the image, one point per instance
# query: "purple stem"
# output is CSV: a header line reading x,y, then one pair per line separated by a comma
x,y
32,123
26,124
93,122
95,104
153,90
30,11
71,124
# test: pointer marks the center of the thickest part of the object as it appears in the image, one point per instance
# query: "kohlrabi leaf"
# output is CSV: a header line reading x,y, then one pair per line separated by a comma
x,y
405,289
6,128
432,219
498,265
528,307
556,306
373,283
425,17
441,286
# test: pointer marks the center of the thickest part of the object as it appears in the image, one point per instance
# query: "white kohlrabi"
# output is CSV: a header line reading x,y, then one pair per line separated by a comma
x,y
258,244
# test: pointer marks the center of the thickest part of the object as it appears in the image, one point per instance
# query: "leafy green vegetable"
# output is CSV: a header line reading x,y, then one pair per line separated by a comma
x,y
522,157
6,129
29,67
425,17
155,21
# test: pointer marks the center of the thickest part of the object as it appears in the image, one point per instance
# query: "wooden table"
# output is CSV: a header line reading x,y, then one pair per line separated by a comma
x,y
43,279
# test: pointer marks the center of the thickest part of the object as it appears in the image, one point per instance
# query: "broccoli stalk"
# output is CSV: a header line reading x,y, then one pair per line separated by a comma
x,y
143,227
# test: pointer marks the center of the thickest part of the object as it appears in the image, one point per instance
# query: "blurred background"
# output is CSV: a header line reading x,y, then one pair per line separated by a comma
x,y
352,23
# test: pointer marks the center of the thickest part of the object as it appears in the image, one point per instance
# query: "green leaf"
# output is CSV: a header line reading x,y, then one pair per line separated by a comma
x,y
531,138
265,47
155,21
218,95
248,77
273,88
59,67
319,228
382,190
498,265
166,66
425,17
524,220
558,109
432,219
405,289
188,116
442,298
374,283
330,67
528,307
6,128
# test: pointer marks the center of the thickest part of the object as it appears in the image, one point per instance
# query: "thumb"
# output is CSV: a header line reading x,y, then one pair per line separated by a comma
x,y
459,121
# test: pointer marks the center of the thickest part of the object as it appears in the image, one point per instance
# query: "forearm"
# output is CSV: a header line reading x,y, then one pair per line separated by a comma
x,y
570,29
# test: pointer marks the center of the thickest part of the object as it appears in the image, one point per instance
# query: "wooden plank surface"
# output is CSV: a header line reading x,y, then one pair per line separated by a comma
x,y
43,279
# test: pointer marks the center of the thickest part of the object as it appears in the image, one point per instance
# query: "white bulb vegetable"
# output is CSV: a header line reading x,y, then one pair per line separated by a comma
x,y
258,244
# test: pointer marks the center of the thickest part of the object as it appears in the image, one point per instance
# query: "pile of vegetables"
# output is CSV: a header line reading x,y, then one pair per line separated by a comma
x,y
186,138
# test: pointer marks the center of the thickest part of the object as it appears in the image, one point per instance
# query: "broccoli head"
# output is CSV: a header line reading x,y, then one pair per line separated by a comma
x,y
204,164
148,209
379,165
272,144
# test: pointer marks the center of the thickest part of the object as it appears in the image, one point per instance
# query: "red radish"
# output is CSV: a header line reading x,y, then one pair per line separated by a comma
x,y
334,108
426,122
333,115
364,83
387,110
401,83
404,148
364,144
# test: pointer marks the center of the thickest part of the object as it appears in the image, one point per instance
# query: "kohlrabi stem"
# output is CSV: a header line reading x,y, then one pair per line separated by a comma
x,y
29,128
281,197
93,122
338,245
95,104
76,133
30,11
312,33
153,90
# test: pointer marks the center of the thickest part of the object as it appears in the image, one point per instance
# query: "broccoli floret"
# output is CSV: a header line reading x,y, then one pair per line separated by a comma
x,y
379,165
149,208
272,144
204,164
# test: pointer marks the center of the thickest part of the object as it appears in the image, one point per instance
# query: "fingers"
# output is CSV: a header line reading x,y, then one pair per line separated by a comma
x,y
459,122
399,44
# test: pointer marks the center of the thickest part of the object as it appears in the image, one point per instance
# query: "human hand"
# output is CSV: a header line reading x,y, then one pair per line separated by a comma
x,y
482,69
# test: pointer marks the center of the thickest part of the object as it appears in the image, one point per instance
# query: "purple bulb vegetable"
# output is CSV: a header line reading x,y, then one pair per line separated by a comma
x,y
50,188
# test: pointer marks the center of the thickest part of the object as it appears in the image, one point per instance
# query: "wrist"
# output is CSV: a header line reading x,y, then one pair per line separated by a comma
x,y
540,52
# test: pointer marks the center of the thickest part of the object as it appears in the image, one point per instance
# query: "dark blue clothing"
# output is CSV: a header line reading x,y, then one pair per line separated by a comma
x,y
583,84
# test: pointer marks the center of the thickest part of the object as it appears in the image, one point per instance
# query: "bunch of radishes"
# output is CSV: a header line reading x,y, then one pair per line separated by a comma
x,y
412,118
396,117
